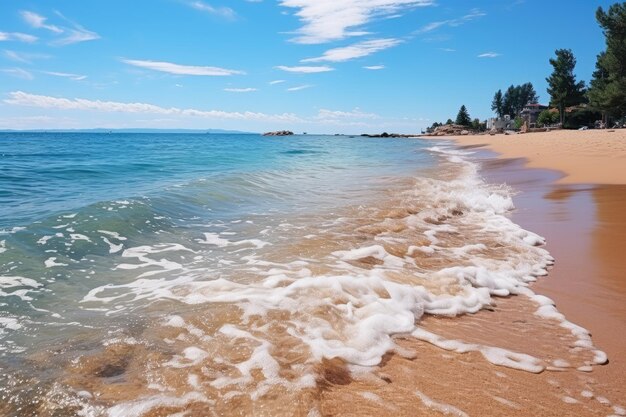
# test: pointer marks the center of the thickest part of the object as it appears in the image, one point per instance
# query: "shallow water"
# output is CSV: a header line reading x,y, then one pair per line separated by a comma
x,y
164,274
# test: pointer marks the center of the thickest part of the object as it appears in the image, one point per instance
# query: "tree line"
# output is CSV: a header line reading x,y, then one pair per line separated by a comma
x,y
604,98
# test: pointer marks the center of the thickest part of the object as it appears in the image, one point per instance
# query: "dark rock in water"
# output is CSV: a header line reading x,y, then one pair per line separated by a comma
x,y
279,133
387,135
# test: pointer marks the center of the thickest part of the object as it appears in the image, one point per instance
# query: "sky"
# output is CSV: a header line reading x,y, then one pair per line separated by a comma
x,y
317,66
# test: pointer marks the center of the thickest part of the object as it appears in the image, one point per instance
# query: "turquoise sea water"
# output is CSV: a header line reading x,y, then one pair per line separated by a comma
x,y
46,174
71,203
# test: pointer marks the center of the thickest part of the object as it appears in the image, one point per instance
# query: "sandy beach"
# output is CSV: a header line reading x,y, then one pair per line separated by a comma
x,y
585,157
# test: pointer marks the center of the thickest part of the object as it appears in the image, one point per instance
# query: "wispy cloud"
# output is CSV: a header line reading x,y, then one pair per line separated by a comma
x,y
472,15
300,87
177,69
240,90
374,67
17,36
276,82
20,98
305,70
38,22
358,50
225,12
338,114
74,77
447,49
76,35
330,20
24,57
489,55
18,73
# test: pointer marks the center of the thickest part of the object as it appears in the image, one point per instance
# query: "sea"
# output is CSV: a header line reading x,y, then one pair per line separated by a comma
x,y
216,274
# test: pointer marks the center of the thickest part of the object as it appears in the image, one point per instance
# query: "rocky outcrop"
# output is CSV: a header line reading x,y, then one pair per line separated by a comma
x,y
279,133
386,135
450,130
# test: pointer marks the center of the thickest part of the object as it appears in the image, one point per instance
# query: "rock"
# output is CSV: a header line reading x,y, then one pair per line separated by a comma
x,y
524,128
464,132
279,133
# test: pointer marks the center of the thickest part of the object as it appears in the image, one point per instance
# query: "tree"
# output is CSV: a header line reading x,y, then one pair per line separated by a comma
x,y
563,88
527,95
548,117
449,122
510,98
517,97
497,104
608,86
463,118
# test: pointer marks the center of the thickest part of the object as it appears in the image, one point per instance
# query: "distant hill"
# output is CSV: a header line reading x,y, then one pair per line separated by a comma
x,y
135,130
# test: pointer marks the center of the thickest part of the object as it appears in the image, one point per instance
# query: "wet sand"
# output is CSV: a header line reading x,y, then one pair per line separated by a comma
x,y
585,227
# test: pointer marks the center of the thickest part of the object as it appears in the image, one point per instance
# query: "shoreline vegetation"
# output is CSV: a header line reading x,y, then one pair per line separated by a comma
x,y
573,104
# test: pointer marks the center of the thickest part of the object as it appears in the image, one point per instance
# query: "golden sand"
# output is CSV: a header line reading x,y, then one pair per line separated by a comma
x,y
585,157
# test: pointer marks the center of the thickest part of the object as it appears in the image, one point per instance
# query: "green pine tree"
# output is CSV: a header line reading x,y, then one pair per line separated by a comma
x,y
463,118
607,91
497,104
563,88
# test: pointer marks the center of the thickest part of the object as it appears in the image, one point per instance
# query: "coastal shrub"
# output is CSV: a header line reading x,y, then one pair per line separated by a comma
x,y
548,118
582,117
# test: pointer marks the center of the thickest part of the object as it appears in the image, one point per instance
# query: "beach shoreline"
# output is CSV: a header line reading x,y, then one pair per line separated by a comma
x,y
584,157
576,201
584,232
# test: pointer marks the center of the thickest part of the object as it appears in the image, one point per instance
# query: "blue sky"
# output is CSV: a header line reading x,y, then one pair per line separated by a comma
x,y
324,66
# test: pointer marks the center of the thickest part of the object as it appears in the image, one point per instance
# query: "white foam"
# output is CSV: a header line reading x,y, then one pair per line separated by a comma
x,y
113,248
214,239
12,230
3,246
78,236
51,262
445,409
142,406
112,234
495,355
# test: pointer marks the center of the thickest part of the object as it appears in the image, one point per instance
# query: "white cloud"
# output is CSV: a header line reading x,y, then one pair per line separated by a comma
x,y
276,82
330,20
447,49
23,57
20,98
19,73
74,77
38,21
374,67
17,36
76,35
177,69
489,55
358,50
326,114
240,90
306,70
226,12
473,14
300,87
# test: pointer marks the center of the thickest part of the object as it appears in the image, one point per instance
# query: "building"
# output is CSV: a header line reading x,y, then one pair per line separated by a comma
x,y
501,124
530,113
